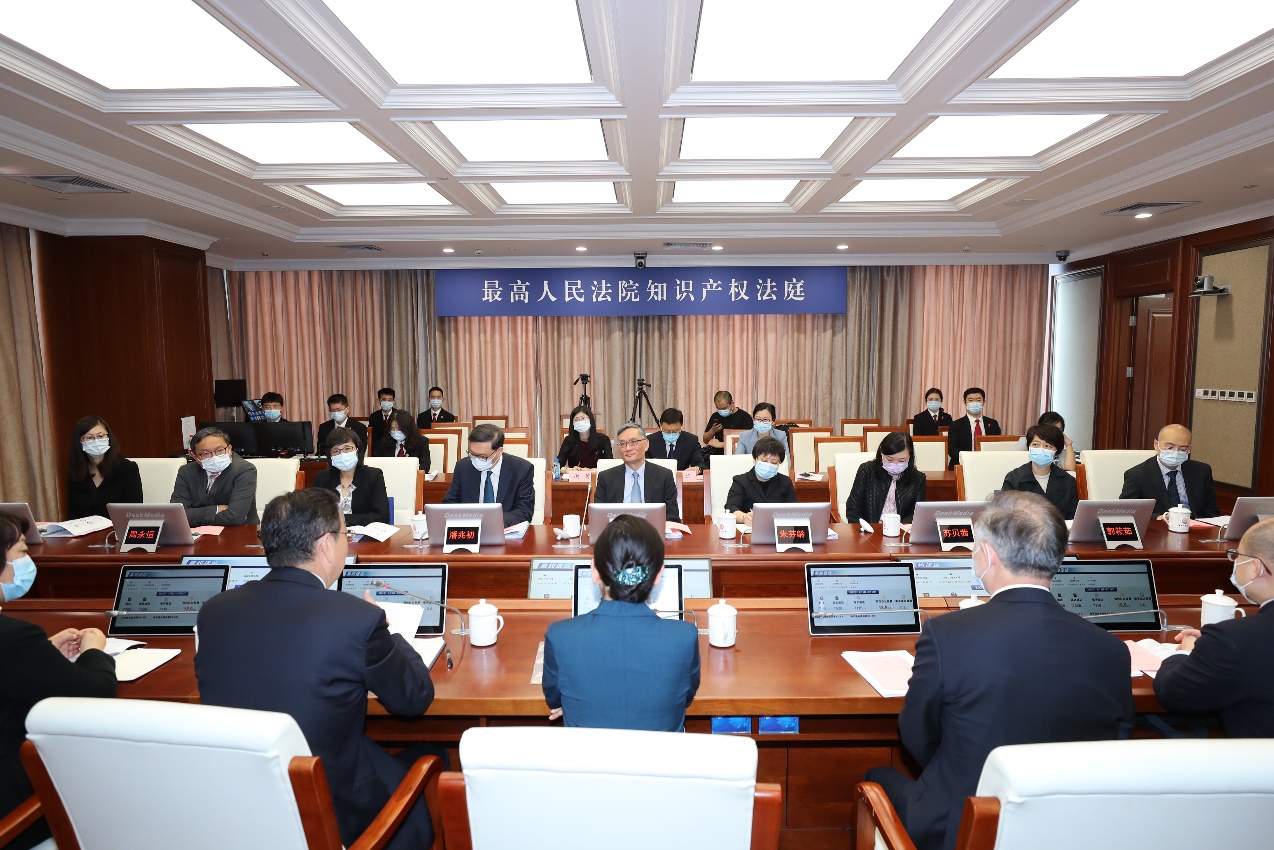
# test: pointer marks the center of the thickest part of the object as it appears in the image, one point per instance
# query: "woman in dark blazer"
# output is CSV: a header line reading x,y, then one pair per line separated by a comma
x,y
620,666
582,449
37,666
413,443
98,474
1044,442
892,472
927,422
762,483
368,501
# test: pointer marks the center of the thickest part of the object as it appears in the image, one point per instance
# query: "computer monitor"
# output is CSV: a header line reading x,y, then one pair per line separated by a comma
x,y
764,515
243,568
861,598
553,578
924,523
946,577
285,438
243,435
163,600
666,597
1248,511
601,513
409,583
176,530
490,513
22,510
1086,527
1116,595
696,576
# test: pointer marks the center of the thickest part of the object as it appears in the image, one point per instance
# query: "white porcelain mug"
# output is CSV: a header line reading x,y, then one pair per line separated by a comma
x,y
726,527
485,623
723,620
571,525
892,524
419,527
1179,518
1217,608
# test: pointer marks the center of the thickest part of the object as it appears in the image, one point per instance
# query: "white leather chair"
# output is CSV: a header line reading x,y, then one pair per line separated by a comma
x,y
500,422
981,473
519,446
558,788
721,472
855,427
873,434
541,491
844,470
1002,443
1134,795
931,453
400,484
159,474
1105,468
275,476
827,448
449,439
145,775
438,456
801,447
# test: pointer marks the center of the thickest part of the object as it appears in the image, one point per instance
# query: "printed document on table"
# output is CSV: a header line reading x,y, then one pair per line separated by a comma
x,y
888,672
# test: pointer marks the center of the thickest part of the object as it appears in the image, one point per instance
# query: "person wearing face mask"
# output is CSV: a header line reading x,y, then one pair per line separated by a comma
x,y
37,666
488,474
272,407
927,422
338,409
1228,667
726,417
1020,669
404,440
1041,475
583,447
220,488
1066,457
98,474
763,416
435,414
1171,478
965,432
360,488
890,484
762,483
378,420
672,443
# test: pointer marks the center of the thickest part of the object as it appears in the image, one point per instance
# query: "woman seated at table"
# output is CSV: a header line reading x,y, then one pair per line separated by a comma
x,y
98,474
583,447
890,484
927,422
38,666
763,416
360,488
621,666
1065,458
403,440
1043,477
762,483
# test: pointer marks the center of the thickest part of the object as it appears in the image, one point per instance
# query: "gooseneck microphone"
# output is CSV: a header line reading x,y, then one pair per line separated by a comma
x,y
1162,613
463,630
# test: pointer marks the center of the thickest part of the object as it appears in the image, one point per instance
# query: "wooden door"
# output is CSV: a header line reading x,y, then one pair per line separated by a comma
x,y
1151,362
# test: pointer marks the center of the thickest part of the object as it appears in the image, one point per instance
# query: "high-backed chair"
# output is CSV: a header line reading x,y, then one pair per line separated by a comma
x,y
717,480
1002,443
518,446
980,474
931,453
800,442
826,449
557,789
1134,795
159,474
275,476
667,463
730,437
542,490
196,776
844,470
873,434
1105,468
438,456
500,422
400,485
854,427
448,439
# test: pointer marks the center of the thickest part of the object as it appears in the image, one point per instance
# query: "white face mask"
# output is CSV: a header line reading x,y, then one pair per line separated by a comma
x,y
581,426
435,403
338,416
981,578
216,463
1242,588
386,406
345,461
1172,459
398,436
974,408
934,406
96,447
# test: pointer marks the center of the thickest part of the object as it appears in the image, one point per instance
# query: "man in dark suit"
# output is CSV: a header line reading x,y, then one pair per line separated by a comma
x,y
673,443
927,422
287,643
338,408
1171,478
1018,670
489,474
965,431
221,489
1227,670
637,481
378,420
435,414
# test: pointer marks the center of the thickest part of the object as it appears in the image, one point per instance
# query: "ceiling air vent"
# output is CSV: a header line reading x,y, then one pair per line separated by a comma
x,y
687,246
67,184
1151,207
358,249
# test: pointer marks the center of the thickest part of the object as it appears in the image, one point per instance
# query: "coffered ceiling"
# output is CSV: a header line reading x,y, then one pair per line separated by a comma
x,y
438,133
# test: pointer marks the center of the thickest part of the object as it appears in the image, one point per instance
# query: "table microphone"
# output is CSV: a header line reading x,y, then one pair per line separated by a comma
x,y
1162,613
680,612
463,630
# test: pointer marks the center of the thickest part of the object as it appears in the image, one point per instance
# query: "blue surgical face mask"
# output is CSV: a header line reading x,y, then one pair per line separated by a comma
x,y
398,436
216,463
273,415
386,406
974,408
581,426
482,464
345,462
96,447
435,403
23,578
1042,457
339,416
763,427
934,406
1173,458
766,470
671,438
723,412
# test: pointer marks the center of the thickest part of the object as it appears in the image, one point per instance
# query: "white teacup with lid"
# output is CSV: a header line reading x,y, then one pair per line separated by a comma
x,y
723,620
1179,518
485,623
726,527
1217,608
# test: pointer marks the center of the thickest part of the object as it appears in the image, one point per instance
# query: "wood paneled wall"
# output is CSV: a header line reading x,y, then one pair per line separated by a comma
x,y
126,336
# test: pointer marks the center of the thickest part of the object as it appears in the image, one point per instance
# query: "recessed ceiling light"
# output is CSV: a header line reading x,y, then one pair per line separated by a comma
x,y
448,250
718,248
380,194
994,135
928,189
731,191
295,142
842,247
580,248
1143,215
568,139
759,137
563,192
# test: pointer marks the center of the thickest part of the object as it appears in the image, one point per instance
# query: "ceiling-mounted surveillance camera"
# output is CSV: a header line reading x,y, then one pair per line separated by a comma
x,y
1205,284
639,259
1062,255
477,252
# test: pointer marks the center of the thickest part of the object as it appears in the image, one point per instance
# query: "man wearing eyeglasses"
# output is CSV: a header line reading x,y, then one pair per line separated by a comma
x,y
487,474
637,481
221,487
1227,670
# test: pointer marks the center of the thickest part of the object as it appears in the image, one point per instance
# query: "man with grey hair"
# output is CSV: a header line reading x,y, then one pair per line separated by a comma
x,y
636,480
221,487
1018,670
1228,668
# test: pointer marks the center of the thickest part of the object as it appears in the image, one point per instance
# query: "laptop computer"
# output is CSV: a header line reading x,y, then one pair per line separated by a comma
x,y
868,598
553,578
22,510
491,514
176,530
924,523
243,568
764,515
1116,595
1248,511
666,597
163,600
601,513
426,581
1085,528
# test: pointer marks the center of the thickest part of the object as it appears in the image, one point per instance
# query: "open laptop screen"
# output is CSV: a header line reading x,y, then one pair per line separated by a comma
x,y
946,577
665,598
553,578
419,580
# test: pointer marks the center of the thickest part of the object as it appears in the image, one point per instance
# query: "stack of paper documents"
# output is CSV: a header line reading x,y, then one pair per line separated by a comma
x,y
888,672
1148,654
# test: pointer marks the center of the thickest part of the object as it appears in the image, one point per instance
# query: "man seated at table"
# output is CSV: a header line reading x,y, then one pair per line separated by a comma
x,y
338,409
1018,670
286,643
435,415
1228,669
726,417
1171,478
272,407
637,481
221,489
762,483
964,433
677,444
489,474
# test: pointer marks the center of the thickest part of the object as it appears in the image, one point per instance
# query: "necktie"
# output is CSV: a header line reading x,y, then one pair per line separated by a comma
x,y
212,478
977,432
1175,495
402,452
672,447
634,489
488,492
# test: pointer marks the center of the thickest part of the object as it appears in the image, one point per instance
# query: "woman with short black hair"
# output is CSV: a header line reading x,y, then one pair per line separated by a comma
x,y
1041,475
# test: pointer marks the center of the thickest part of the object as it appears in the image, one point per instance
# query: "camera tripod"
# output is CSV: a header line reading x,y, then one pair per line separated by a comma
x,y
638,398
584,400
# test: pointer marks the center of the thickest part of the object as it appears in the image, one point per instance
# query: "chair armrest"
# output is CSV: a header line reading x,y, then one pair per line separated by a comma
x,y
767,815
13,824
979,824
875,812
400,802
455,811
